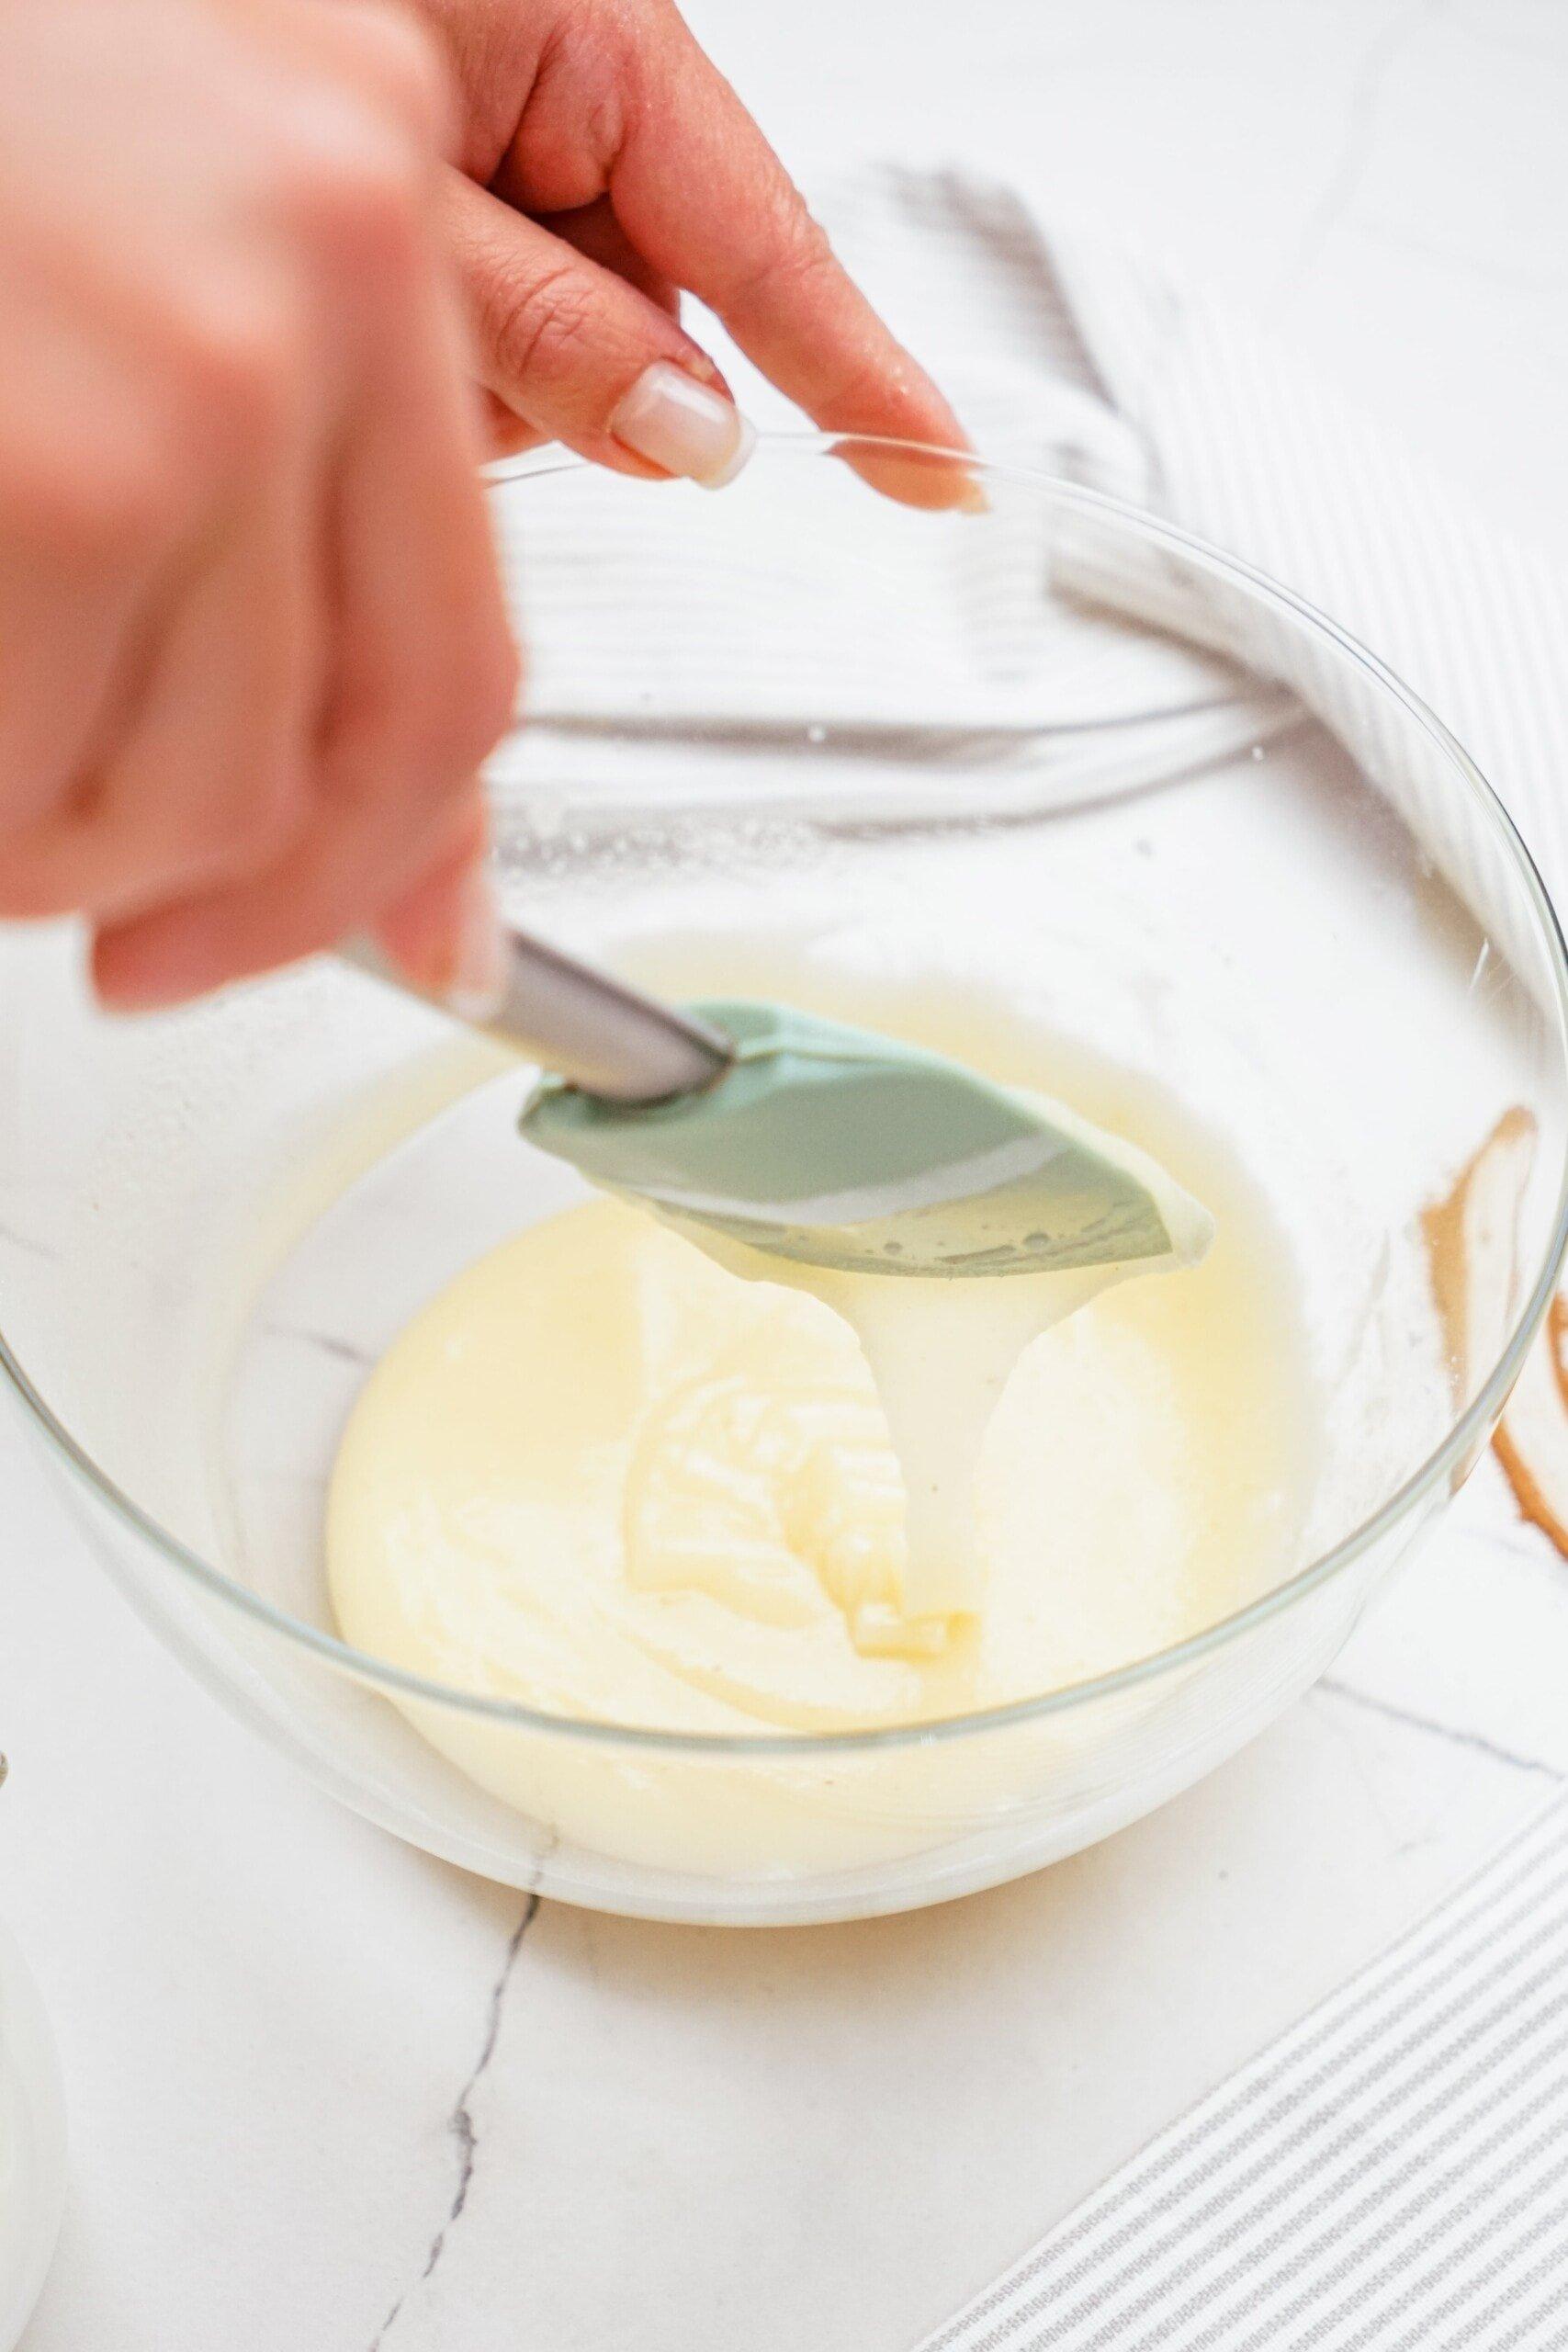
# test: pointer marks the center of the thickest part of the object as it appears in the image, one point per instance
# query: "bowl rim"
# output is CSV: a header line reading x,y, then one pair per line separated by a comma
x,y
1466,1432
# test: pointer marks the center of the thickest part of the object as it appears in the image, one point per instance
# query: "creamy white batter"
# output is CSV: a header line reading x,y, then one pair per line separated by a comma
x,y
603,1476
940,1352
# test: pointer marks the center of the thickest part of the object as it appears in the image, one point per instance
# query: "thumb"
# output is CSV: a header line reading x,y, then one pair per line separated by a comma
x,y
583,358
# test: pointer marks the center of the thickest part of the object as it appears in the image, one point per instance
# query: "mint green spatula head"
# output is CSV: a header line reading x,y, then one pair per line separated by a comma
x,y
838,1147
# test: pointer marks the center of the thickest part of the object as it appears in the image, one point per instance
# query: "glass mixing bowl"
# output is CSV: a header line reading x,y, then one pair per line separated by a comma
x,y
1091,766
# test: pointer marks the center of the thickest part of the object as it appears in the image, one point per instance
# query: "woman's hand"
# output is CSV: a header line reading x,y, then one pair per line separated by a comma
x,y
607,166
252,642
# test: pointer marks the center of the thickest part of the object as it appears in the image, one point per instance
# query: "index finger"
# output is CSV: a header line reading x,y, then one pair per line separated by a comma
x,y
704,199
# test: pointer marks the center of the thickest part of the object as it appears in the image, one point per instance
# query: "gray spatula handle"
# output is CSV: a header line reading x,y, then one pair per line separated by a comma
x,y
583,1024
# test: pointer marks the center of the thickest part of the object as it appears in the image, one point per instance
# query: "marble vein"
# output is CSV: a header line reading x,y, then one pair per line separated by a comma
x,y
1455,1733
326,1342
1361,112
27,1243
1483,26
460,2121
1529,1543
1486,266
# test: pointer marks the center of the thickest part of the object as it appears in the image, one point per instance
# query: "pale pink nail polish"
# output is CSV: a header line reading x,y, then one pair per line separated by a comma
x,y
687,427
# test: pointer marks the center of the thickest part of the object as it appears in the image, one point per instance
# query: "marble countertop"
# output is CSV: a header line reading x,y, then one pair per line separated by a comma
x,y
326,2092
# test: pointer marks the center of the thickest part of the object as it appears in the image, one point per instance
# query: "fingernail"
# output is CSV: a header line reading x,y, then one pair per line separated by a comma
x,y
686,427
477,988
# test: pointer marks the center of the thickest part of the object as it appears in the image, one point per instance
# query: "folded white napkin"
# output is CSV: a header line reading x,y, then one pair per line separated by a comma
x,y
1183,406
676,661
1075,358
1391,2175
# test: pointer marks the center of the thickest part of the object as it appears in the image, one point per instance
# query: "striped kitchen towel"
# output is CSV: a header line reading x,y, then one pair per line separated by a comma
x,y
1184,406
1390,2176
1081,360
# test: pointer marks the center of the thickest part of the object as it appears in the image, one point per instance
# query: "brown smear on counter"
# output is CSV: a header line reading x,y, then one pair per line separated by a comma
x,y
1472,1247
1531,1442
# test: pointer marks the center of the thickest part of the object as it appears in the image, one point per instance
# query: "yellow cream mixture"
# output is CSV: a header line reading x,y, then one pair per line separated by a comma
x,y
940,1352
605,1477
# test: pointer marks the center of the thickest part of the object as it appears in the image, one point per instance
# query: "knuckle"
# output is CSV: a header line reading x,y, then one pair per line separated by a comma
x,y
478,695
136,506
354,192
494,690
402,59
804,249
375,214
415,738
108,516
444,751
575,119
796,252
243,829
459,723
538,327
863,382
267,814
29,897
234,381
31,890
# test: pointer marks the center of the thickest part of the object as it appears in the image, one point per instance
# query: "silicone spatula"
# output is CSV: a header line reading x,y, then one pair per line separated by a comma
x,y
815,1141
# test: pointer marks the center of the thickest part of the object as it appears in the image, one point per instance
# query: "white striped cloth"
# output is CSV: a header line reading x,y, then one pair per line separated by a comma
x,y
1082,361
1392,2175
1090,361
